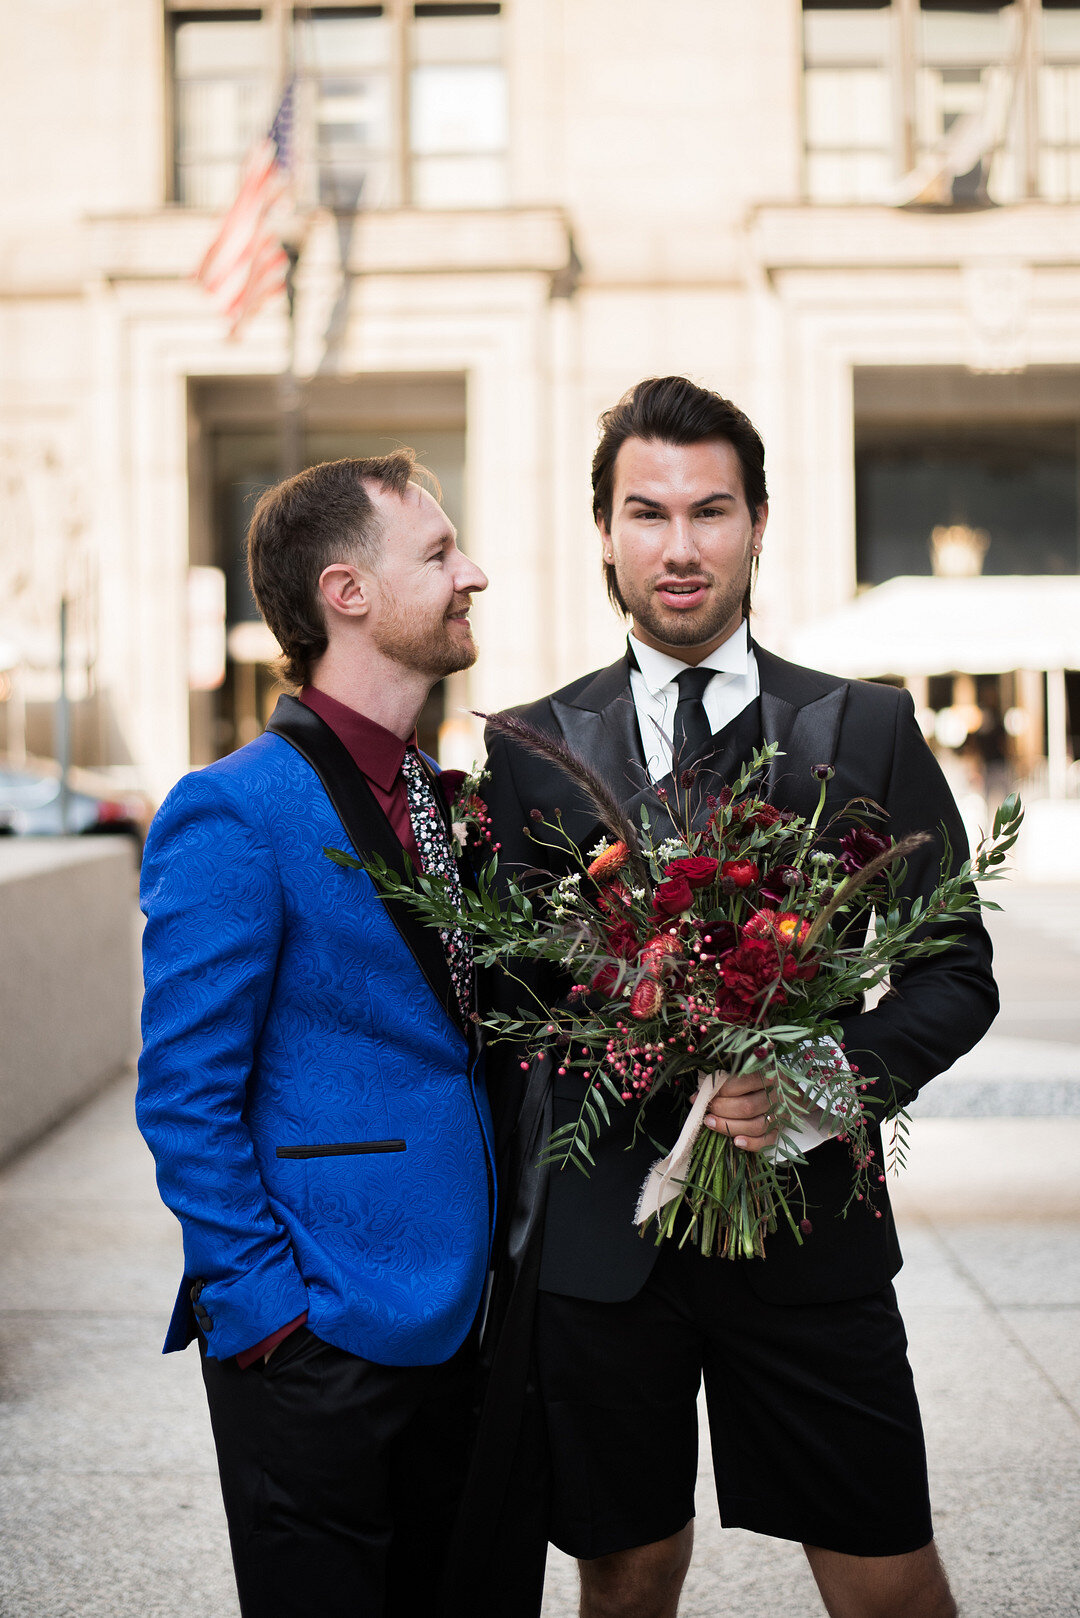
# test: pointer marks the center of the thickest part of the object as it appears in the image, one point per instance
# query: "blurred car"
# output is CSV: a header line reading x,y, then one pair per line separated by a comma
x,y
30,807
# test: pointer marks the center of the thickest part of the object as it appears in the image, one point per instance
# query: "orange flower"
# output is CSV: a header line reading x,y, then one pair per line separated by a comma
x,y
792,929
608,861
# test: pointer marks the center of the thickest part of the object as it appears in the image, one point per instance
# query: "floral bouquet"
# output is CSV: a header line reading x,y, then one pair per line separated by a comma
x,y
724,948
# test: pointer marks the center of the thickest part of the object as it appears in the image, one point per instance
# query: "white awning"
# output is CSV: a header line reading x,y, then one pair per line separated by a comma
x,y
915,626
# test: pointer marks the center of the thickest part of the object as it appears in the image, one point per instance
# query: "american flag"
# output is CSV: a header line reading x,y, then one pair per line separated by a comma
x,y
246,263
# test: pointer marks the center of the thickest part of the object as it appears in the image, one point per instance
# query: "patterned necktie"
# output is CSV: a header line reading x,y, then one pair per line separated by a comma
x,y
437,859
691,729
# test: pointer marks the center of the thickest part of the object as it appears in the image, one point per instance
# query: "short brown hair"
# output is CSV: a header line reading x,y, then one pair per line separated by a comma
x,y
673,410
299,527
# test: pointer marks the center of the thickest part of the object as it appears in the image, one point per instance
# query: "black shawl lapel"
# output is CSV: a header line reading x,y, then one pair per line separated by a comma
x,y
600,724
369,831
801,711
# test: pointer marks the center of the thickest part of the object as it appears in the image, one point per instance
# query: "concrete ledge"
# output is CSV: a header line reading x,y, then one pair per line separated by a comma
x,y
67,985
998,1097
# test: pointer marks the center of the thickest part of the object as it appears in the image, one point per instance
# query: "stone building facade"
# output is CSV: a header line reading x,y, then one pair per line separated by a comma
x,y
861,221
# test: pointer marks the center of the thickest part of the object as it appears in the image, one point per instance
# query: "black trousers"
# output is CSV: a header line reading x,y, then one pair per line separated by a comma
x,y
340,1478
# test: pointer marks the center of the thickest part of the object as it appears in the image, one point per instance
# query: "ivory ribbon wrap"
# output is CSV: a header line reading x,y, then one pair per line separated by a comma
x,y
797,1136
665,1181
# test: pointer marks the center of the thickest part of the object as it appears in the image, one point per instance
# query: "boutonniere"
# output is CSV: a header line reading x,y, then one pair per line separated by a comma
x,y
469,818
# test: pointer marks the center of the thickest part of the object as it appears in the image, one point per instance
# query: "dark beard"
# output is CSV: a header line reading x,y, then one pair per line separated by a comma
x,y
681,628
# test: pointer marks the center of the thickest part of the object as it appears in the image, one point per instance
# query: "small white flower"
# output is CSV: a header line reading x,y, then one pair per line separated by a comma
x,y
673,849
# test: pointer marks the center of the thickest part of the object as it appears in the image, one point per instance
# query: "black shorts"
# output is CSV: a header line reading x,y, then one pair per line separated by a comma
x,y
814,1422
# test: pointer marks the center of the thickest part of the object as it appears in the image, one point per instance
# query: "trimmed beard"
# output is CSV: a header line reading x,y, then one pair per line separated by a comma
x,y
675,628
417,643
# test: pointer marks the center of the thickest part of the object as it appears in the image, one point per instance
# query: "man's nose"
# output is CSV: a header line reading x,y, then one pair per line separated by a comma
x,y
680,542
469,578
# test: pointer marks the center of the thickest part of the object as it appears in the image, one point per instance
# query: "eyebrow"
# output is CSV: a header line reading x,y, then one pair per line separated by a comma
x,y
655,505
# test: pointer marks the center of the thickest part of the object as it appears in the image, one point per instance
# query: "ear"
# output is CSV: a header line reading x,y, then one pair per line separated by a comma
x,y
605,540
345,590
759,527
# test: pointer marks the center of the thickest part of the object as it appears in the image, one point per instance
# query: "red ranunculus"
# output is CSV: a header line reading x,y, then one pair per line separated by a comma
x,y
762,814
697,869
778,884
740,873
860,846
622,940
451,783
673,897
605,980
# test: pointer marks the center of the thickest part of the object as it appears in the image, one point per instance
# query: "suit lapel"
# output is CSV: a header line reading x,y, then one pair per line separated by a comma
x,y
801,711
601,726
369,831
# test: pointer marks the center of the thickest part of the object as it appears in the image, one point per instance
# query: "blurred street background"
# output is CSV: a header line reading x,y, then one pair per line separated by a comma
x,y
238,239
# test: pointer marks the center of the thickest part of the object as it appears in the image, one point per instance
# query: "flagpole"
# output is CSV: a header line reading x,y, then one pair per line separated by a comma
x,y
289,398
291,435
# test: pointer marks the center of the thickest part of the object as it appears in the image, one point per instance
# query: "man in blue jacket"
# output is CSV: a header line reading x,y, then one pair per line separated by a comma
x,y
310,1083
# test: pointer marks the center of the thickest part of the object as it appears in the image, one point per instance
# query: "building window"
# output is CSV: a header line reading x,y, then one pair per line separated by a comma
x,y
949,103
344,63
457,106
397,104
222,99
848,103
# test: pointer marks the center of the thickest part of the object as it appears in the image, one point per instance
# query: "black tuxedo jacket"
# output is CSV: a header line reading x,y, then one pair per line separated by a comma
x,y
936,1009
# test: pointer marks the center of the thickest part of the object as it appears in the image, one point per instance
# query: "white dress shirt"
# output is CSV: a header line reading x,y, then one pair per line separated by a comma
x,y
735,684
653,687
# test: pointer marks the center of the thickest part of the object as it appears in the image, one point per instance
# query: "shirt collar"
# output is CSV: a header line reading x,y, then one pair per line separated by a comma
x,y
658,669
373,749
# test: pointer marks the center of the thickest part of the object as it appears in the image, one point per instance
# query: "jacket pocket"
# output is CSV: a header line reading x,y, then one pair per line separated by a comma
x,y
346,1148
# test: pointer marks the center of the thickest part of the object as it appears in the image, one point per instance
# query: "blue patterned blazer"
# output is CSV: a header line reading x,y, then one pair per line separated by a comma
x,y
310,1092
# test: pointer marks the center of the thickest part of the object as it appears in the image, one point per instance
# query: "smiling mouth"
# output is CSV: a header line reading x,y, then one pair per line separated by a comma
x,y
682,592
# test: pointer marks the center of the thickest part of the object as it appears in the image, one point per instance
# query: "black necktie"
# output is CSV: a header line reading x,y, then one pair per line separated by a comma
x,y
691,729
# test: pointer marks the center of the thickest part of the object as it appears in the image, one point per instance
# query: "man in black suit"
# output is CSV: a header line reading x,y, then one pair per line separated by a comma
x,y
815,1426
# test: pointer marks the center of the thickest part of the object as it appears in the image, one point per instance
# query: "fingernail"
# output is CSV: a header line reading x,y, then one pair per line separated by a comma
x,y
741,1140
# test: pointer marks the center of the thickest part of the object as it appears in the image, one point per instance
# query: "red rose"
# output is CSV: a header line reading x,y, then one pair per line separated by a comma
x,y
698,869
740,873
672,898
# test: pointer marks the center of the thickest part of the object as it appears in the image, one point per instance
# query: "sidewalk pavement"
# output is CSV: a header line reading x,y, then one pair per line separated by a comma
x,y
109,1505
